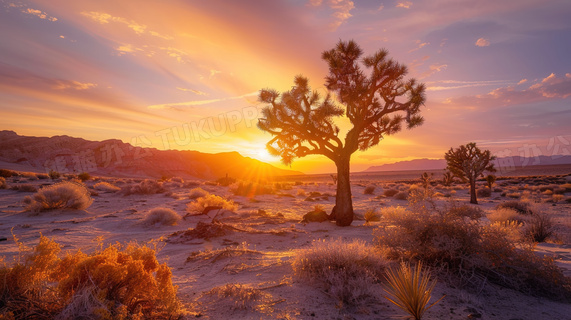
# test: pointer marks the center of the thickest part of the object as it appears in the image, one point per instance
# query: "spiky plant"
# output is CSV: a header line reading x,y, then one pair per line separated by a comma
x,y
410,289
448,178
490,179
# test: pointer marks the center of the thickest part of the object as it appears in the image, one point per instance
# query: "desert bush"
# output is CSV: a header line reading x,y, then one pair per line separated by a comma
x,y
522,207
163,216
24,188
63,195
369,190
54,175
144,187
191,184
410,289
5,173
557,197
197,193
225,181
250,189
244,297
465,211
301,192
504,215
109,283
84,176
390,192
402,195
42,176
3,184
371,215
177,179
484,192
347,270
210,200
470,251
547,192
539,227
106,186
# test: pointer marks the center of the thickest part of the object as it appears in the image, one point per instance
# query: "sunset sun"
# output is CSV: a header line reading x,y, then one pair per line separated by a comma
x,y
264,155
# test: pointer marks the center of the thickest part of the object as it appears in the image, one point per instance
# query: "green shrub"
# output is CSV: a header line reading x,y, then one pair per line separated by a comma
x,y
63,195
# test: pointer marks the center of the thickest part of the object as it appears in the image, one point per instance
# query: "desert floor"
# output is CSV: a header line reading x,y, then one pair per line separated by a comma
x,y
257,252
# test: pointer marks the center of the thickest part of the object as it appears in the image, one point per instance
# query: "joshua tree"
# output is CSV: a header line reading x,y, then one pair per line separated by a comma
x,y
426,179
468,163
490,179
448,178
375,97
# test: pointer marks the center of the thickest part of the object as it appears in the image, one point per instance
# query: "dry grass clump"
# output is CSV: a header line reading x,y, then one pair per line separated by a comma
x,y
63,195
369,190
106,186
210,200
484,192
244,297
301,193
539,227
197,193
144,187
401,195
504,215
466,211
3,184
5,173
111,283
348,270
411,289
390,192
471,251
163,216
372,215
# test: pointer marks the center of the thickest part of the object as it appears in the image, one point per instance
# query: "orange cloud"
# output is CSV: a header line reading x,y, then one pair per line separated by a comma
x,y
482,42
74,85
404,4
40,14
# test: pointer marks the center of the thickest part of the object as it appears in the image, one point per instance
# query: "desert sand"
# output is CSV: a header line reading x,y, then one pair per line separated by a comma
x,y
258,247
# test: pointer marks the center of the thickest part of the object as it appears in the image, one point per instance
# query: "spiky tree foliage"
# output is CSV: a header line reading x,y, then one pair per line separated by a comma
x,y
468,162
490,179
375,97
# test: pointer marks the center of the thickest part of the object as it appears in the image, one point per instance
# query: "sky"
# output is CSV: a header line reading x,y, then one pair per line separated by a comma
x,y
184,74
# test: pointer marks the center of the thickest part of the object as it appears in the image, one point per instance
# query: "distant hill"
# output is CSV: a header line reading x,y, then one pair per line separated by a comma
x,y
116,158
439,164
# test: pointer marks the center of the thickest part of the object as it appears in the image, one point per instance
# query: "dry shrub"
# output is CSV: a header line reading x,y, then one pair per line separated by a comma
x,y
3,184
144,187
484,192
163,216
210,200
197,193
24,188
402,195
504,215
348,270
522,207
372,215
244,297
108,284
106,186
63,195
470,251
390,192
369,190
301,192
557,197
250,189
539,227
5,173
466,211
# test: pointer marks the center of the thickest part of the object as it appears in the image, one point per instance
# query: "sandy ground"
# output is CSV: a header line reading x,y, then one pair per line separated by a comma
x,y
271,243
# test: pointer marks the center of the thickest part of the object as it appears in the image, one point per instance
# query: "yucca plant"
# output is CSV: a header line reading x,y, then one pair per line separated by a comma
x,y
410,289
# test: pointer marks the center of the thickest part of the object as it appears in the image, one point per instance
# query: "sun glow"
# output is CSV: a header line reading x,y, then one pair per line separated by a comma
x,y
264,155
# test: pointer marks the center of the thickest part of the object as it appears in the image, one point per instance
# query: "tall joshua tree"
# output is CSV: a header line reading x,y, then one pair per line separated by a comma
x,y
376,99
468,163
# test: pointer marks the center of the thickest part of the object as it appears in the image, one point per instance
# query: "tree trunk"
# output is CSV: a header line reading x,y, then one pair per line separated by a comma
x,y
473,191
343,202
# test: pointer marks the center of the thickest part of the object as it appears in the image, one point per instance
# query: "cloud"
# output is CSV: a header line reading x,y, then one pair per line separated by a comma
x,y
40,14
200,93
420,45
198,102
341,10
404,4
482,42
457,84
74,85
550,88
522,81
105,18
434,68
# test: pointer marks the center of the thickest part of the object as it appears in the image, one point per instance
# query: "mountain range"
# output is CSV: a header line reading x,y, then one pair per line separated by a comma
x,y
440,164
115,158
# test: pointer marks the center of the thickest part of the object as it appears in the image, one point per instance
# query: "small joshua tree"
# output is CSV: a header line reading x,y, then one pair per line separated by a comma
x,y
468,163
376,99
448,178
425,179
490,179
